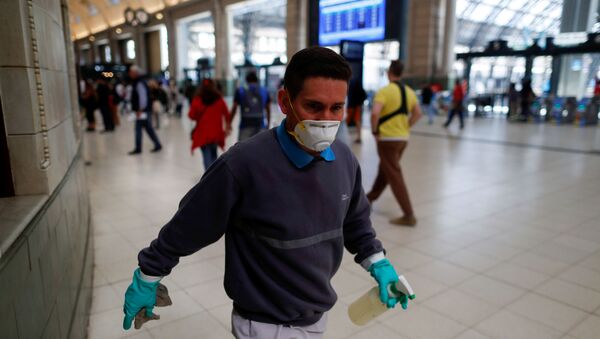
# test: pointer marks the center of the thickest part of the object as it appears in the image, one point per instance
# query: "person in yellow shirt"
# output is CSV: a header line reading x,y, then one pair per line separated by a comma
x,y
395,111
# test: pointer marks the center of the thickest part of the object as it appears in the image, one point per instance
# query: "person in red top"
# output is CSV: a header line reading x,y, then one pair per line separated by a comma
x,y
457,104
210,112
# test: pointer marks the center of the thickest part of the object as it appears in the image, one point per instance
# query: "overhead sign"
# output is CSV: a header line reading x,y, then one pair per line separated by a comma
x,y
359,20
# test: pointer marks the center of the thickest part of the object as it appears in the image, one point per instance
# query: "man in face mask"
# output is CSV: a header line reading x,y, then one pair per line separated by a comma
x,y
288,200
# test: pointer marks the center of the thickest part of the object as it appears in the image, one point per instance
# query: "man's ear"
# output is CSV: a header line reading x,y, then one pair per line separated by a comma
x,y
282,100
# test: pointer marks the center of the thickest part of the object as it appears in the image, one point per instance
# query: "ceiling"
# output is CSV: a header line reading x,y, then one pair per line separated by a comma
x,y
92,16
517,21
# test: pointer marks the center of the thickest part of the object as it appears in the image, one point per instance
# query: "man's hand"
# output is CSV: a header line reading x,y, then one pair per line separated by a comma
x,y
140,294
384,273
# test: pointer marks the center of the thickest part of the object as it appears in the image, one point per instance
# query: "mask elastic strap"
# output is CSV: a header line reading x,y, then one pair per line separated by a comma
x,y
294,111
300,123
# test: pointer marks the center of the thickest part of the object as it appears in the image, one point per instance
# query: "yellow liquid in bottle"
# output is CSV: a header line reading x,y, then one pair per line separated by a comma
x,y
367,307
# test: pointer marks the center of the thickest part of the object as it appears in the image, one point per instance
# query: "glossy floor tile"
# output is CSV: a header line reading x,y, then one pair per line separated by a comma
x,y
507,244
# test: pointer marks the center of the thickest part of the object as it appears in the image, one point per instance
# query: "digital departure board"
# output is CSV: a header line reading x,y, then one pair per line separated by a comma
x,y
359,20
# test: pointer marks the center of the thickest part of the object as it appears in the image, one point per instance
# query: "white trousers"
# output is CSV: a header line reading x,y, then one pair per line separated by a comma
x,y
243,328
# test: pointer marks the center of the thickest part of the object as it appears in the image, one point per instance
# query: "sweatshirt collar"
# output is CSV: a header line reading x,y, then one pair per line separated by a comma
x,y
299,157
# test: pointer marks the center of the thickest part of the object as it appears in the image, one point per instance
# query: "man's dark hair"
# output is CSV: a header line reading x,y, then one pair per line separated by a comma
x,y
251,77
314,62
396,68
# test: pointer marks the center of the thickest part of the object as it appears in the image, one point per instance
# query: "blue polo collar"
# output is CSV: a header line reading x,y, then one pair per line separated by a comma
x,y
297,155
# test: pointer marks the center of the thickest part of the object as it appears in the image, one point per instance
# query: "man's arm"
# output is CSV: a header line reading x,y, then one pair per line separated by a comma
x,y
201,220
142,98
375,111
415,115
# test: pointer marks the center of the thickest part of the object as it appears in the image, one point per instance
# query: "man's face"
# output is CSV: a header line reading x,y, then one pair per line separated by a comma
x,y
320,99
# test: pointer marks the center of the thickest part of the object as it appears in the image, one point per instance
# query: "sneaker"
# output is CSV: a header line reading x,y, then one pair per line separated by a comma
x,y
404,221
156,149
135,152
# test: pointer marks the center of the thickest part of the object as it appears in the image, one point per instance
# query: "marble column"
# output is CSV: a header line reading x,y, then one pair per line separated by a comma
x,y
36,90
296,26
223,23
427,43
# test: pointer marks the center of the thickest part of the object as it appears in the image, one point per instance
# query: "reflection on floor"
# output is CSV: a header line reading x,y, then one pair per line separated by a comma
x,y
507,245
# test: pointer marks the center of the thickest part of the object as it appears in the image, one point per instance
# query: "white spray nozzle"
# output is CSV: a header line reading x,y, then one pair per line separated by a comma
x,y
403,286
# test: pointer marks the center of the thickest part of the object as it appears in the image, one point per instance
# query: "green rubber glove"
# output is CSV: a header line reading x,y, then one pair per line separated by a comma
x,y
140,294
384,273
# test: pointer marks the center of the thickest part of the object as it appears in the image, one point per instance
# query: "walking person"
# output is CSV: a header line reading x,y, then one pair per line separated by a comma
x,y
356,100
142,108
103,91
427,103
210,113
527,98
89,101
395,111
458,95
288,202
513,101
254,103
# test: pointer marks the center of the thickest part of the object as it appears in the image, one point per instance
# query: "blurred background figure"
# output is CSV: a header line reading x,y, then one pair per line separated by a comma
x,y
513,101
159,100
175,100
89,102
103,94
427,103
254,102
458,96
527,98
209,111
354,106
141,105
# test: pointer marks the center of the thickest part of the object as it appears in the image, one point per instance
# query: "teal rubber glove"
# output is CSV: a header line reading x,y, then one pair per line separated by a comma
x,y
140,294
384,273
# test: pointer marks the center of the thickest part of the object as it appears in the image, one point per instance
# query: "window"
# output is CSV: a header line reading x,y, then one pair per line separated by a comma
x,y
130,47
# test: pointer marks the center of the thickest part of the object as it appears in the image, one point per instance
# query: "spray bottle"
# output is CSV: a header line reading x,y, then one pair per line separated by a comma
x,y
369,306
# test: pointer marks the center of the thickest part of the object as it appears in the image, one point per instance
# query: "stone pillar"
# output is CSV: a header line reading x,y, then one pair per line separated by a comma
x,y
36,89
172,44
223,23
296,26
140,48
577,16
447,51
425,42
113,43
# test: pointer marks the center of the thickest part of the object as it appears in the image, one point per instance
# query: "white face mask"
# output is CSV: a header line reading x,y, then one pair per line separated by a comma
x,y
315,135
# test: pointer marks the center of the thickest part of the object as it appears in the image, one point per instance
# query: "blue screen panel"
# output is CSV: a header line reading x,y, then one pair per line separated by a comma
x,y
359,20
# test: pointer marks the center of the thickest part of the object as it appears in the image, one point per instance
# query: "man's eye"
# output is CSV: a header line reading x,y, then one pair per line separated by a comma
x,y
337,108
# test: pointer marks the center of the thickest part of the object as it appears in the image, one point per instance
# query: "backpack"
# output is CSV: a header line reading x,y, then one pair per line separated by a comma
x,y
251,102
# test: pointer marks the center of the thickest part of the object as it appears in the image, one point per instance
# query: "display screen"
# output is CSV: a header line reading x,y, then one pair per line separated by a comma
x,y
360,20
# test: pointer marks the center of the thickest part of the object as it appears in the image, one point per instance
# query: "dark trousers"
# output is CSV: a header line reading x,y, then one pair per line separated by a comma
x,y
457,108
89,115
209,154
107,118
390,153
147,125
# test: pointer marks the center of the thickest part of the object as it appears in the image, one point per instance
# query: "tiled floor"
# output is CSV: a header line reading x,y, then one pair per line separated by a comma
x,y
507,245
